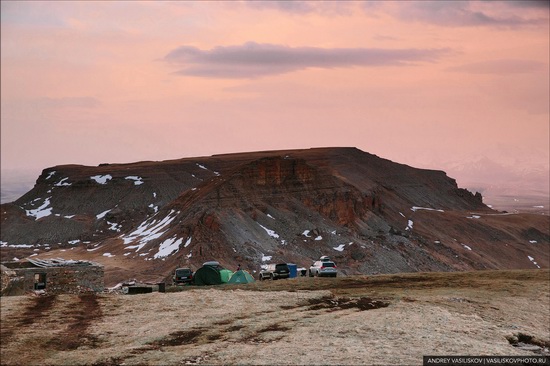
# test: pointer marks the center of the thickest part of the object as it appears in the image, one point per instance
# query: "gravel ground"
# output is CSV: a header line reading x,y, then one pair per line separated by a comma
x,y
380,320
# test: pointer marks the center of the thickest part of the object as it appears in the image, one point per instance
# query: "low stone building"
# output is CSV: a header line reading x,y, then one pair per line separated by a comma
x,y
54,276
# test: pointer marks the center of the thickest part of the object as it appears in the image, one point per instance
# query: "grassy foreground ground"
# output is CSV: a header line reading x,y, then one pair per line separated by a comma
x,y
366,320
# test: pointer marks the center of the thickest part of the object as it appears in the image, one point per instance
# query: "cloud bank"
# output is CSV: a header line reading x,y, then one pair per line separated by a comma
x,y
68,102
252,60
299,7
470,13
501,67
463,13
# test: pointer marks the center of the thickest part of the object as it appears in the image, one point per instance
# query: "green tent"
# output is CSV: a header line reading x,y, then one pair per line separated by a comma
x,y
241,276
207,275
225,275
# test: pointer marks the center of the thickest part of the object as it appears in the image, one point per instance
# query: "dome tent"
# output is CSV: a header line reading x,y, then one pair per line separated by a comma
x,y
207,275
225,275
241,276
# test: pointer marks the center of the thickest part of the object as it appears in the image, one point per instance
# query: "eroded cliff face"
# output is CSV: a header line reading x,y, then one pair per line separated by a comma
x,y
368,213
279,181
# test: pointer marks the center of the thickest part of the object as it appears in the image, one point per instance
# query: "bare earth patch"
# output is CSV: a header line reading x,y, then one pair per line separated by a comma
x,y
389,319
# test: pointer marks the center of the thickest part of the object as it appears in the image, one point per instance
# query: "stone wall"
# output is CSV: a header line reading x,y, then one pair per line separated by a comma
x,y
59,280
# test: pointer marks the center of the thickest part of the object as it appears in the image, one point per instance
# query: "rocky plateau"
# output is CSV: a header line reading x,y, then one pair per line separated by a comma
x,y
370,215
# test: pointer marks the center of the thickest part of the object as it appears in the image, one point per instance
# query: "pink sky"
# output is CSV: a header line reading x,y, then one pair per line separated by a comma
x,y
422,83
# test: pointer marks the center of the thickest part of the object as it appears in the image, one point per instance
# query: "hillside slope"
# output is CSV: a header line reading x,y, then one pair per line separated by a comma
x,y
369,214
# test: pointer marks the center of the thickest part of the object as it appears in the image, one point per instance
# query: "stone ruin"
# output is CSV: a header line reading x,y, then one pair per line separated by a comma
x,y
53,276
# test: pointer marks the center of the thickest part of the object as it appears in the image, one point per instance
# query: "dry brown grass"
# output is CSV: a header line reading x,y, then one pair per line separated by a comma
x,y
386,319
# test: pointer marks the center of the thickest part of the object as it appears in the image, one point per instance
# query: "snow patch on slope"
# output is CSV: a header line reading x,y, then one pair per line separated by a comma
x,y
416,208
114,226
41,211
148,230
269,232
168,247
340,247
137,180
102,215
533,260
62,183
102,179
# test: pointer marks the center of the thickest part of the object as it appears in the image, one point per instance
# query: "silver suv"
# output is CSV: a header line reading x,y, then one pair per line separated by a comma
x,y
275,272
324,268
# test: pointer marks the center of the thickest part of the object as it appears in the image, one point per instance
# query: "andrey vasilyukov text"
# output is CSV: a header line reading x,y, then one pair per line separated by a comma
x,y
486,360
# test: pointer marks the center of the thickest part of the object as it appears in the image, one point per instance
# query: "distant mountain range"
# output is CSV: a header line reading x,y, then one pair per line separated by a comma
x,y
514,184
15,183
369,214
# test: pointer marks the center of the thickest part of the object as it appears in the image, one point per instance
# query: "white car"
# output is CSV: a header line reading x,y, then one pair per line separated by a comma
x,y
323,269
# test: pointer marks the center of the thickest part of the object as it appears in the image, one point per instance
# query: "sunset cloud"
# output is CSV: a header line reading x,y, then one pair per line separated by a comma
x,y
504,67
541,4
252,60
462,13
68,102
468,13
303,7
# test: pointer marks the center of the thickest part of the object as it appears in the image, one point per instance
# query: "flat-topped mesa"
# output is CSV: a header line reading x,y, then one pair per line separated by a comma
x,y
371,214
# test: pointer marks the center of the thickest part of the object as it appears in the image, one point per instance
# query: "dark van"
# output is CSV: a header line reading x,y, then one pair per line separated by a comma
x,y
183,276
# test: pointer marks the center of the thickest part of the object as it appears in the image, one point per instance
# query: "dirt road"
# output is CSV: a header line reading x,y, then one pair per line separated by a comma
x,y
389,319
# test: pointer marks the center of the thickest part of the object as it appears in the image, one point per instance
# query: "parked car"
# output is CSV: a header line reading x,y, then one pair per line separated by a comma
x,y
323,268
275,272
183,276
214,264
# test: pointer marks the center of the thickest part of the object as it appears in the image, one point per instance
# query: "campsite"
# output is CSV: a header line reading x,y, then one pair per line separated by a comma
x,y
215,275
381,319
212,273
